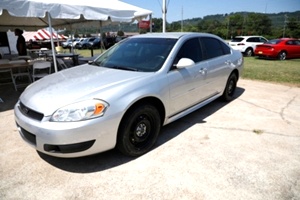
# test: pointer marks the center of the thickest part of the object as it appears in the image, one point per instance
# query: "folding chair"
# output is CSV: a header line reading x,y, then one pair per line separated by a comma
x,y
21,75
6,75
41,69
61,63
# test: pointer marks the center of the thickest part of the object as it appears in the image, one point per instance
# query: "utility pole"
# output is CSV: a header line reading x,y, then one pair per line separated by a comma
x,y
284,25
164,12
228,26
182,19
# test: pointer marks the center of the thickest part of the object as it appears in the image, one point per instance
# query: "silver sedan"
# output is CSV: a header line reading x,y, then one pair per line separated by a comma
x,y
124,97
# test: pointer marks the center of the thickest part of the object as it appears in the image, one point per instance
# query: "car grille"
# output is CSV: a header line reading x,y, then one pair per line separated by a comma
x,y
30,113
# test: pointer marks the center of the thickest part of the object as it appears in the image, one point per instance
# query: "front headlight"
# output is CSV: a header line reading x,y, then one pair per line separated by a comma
x,y
80,111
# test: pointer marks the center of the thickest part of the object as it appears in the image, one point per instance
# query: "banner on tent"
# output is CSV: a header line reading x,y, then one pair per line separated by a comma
x,y
144,24
42,34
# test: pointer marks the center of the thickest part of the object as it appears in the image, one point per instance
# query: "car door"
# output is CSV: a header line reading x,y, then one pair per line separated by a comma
x,y
187,85
297,48
293,48
218,56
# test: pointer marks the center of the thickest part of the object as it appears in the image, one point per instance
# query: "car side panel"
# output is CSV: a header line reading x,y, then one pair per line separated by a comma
x,y
186,87
293,50
218,72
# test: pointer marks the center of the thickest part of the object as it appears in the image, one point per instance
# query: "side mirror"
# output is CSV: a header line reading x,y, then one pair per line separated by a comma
x,y
185,62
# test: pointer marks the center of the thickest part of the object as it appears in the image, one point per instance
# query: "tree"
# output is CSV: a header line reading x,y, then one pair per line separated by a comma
x,y
293,28
120,33
236,24
258,24
174,27
157,25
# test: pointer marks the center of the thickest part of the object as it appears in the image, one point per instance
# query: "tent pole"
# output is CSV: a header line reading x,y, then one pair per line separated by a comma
x,y
52,43
164,11
150,16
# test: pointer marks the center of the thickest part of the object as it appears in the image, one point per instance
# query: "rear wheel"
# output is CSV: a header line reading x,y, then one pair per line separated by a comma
x,y
230,88
249,52
282,55
139,130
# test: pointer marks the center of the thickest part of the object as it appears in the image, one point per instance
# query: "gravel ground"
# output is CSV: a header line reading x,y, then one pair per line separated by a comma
x,y
246,149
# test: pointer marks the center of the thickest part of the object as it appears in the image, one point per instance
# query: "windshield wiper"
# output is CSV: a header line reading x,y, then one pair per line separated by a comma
x,y
94,63
125,68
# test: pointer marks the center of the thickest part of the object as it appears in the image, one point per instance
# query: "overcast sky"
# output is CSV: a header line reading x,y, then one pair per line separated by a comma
x,y
187,9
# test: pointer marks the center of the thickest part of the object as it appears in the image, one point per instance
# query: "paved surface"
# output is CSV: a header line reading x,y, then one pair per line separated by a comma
x,y
246,149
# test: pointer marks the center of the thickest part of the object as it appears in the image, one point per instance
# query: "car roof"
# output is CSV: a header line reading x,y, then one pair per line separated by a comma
x,y
287,39
175,35
241,36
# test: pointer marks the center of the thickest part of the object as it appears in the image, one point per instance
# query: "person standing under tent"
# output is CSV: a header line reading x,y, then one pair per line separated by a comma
x,y
21,44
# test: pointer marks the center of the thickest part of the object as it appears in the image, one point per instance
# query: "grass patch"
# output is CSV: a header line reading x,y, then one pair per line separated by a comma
x,y
284,72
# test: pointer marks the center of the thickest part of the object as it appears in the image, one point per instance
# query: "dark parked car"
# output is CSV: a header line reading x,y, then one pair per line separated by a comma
x,y
96,43
107,42
279,48
85,44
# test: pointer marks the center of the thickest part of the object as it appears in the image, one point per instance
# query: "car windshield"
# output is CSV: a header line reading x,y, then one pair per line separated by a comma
x,y
276,41
137,54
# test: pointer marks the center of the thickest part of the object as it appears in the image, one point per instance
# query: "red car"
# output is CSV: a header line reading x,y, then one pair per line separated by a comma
x,y
279,48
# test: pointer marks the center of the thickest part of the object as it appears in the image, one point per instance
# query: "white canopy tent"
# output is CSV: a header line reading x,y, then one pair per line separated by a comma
x,y
38,14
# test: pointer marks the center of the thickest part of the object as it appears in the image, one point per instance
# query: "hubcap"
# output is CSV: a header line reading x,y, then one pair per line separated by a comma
x,y
141,130
282,56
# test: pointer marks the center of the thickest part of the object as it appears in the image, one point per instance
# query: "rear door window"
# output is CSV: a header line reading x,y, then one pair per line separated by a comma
x,y
237,39
213,47
263,40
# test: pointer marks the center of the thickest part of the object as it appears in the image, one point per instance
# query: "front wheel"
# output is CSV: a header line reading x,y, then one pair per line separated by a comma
x,y
138,130
282,55
230,88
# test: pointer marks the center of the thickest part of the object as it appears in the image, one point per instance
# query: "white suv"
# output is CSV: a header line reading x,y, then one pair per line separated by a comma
x,y
246,44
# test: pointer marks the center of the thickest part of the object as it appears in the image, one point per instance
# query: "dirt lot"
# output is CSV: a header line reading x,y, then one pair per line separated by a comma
x,y
246,149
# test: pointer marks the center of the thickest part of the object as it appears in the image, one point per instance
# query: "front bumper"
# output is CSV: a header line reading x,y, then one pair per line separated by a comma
x,y
68,139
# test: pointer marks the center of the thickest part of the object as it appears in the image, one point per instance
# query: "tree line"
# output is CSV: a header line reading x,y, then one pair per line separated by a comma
x,y
230,25
286,24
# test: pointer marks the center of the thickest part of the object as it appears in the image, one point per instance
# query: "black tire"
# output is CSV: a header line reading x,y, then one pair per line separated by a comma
x,y
230,88
282,55
249,52
138,130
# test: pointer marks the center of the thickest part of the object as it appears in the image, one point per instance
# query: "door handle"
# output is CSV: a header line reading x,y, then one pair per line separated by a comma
x,y
228,62
203,71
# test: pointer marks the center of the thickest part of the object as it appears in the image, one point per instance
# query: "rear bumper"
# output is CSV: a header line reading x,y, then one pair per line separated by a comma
x,y
266,54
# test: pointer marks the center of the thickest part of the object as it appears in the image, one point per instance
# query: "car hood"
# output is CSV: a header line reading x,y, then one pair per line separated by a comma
x,y
73,85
